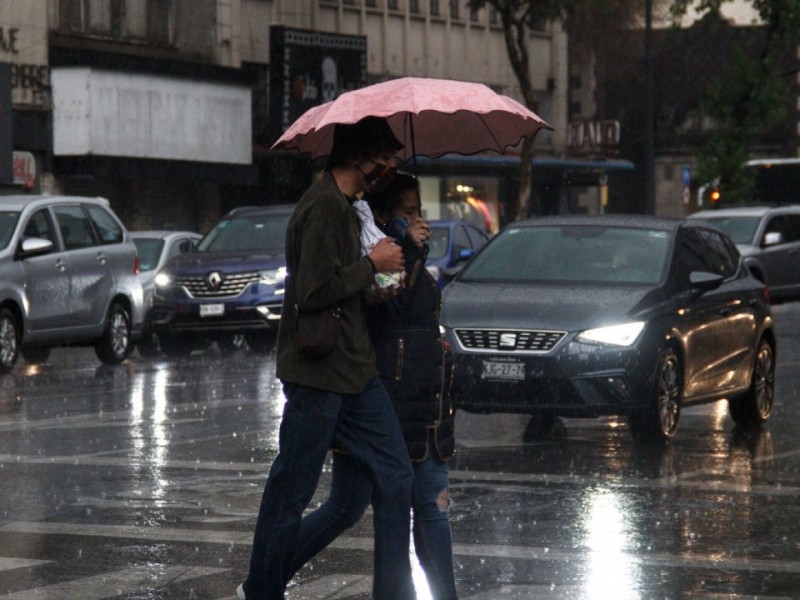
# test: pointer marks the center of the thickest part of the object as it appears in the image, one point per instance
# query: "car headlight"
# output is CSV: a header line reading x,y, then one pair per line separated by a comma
x,y
273,276
163,279
617,335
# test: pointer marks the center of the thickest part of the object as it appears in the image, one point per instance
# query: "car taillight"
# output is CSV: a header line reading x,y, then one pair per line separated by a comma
x,y
136,265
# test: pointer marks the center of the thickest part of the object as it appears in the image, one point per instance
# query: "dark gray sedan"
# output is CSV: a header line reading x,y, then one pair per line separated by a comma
x,y
582,316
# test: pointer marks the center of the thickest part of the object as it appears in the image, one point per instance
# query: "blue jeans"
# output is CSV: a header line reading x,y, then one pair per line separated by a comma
x,y
366,426
349,497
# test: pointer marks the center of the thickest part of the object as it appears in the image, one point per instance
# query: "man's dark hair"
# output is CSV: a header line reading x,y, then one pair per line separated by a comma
x,y
371,135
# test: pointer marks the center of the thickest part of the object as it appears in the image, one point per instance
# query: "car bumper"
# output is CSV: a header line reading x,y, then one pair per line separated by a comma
x,y
576,381
234,318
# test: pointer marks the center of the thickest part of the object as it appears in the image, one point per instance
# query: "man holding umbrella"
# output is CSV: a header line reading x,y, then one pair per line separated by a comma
x,y
335,400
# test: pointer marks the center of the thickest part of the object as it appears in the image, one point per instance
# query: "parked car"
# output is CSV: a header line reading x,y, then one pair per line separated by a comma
x,y
582,316
230,285
451,244
68,277
769,240
155,249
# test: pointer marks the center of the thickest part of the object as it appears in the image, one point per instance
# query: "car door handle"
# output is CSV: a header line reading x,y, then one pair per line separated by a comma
x,y
61,265
101,258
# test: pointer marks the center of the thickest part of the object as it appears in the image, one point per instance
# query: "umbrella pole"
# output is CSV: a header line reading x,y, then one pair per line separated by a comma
x,y
413,147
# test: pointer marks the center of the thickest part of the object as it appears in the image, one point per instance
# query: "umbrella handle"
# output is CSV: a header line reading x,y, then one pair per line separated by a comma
x,y
413,146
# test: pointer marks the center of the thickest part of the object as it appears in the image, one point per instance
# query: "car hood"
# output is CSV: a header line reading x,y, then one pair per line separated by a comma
x,y
228,262
564,308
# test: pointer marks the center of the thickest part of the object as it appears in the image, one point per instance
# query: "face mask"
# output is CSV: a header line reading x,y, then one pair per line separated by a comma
x,y
378,178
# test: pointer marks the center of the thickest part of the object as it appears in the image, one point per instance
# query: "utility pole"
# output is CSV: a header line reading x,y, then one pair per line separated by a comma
x,y
649,111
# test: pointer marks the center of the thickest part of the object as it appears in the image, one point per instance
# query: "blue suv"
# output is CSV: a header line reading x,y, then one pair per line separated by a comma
x,y
229,286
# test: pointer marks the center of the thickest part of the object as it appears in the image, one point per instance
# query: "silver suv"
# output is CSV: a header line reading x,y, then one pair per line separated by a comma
x,y
768,237
67,277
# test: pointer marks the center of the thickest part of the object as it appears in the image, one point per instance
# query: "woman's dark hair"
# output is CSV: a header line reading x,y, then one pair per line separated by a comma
x,y
390,198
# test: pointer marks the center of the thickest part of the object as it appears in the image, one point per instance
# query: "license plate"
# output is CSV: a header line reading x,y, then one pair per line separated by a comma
x,y
503,371
212,310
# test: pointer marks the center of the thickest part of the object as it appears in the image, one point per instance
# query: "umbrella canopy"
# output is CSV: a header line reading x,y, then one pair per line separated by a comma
x,y
431,117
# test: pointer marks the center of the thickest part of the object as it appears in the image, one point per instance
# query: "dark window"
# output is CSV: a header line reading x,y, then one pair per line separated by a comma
x,y
40,226
413,6
392,4
691,257
454,9
371,3
779,224
260,108
461,241
719,255
76,229
106,226
159,22
493,16
794,227
434,8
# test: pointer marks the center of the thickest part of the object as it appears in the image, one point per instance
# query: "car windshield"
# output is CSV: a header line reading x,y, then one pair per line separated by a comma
x,y
8,222
740,229
149,252
573,253
437,244
251,233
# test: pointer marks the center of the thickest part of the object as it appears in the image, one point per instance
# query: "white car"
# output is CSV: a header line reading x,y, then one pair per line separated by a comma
x,y
768,237
156,248
68,277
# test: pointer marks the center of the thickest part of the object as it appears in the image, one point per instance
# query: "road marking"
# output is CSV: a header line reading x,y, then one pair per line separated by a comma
x,y
165,534
114,583
9,564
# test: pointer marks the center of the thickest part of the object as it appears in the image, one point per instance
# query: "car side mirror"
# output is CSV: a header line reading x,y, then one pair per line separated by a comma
x,y
34,247
703,281
772,238
465,254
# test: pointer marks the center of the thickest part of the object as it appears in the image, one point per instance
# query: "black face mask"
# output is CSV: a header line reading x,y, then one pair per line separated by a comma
x,y
378,178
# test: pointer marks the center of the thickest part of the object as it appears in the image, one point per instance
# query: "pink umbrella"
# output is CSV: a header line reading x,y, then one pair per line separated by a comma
x,y
431,117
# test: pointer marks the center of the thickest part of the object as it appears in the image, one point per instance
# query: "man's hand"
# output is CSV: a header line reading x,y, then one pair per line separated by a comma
x,y
420,231
387,256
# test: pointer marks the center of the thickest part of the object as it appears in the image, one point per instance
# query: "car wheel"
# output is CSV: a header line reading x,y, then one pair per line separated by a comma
x,y
229,344
539,427
9,340
115,344
176,346
261,343
658,422
755,406
35,355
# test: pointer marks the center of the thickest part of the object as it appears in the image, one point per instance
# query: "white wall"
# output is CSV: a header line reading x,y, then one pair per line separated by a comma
x,y
149,116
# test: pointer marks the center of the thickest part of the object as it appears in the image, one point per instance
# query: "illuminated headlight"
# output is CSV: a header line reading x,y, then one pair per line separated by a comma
x,y
273,276
616,335
163,279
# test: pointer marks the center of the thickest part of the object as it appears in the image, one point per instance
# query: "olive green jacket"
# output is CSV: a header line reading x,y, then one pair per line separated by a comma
x,y
325,268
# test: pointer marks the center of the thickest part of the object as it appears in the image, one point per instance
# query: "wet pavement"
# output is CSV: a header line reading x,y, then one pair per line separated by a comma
x,y
143,481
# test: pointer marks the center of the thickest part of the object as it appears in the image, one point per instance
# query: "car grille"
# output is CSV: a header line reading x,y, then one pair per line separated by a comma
x,y
232,285
508,340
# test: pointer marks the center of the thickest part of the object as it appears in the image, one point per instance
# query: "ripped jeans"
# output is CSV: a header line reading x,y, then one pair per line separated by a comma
x,y
349,497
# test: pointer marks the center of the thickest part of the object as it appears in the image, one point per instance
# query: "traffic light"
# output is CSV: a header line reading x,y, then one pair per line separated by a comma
x,y
714,195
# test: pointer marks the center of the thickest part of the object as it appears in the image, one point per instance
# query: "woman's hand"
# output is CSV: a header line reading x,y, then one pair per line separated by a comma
x,y
419,231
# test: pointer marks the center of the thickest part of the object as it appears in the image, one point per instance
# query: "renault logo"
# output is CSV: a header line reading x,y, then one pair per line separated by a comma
x,y
508,340
214,280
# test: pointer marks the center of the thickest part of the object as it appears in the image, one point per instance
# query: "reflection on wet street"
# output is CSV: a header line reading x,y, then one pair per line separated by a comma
x,y
143,481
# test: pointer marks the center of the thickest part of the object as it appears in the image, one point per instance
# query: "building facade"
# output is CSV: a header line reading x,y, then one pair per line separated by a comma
x,y
168,107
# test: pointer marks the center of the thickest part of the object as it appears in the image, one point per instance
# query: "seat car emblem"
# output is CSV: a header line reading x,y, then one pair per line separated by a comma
x,y
508,340
214,280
